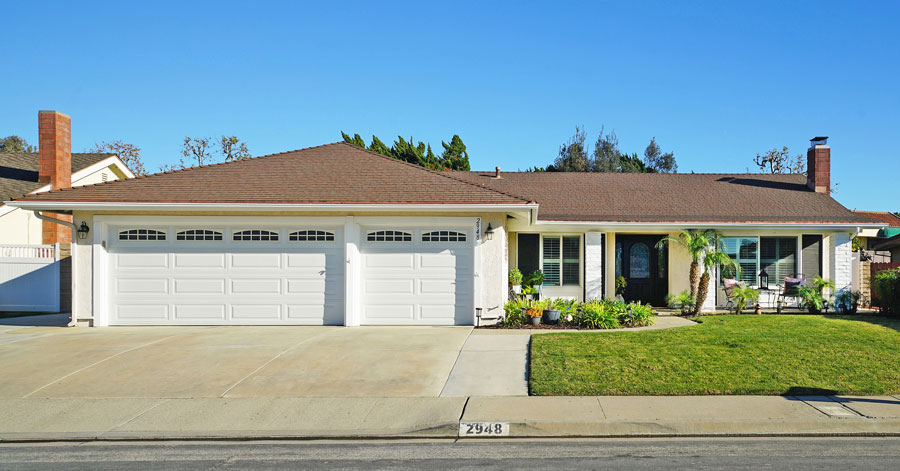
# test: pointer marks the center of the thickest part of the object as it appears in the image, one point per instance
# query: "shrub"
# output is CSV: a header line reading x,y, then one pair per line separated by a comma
x,y
515,277
513,313
887,290
639,315
599,315
742,296
683,301
812,295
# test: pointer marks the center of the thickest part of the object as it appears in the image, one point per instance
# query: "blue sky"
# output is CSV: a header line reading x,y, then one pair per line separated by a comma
x,y
714,82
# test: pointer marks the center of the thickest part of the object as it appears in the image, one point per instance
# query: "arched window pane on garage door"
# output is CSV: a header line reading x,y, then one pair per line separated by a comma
x,y
389,236
311,236
198,234
142,234
255,235
444,236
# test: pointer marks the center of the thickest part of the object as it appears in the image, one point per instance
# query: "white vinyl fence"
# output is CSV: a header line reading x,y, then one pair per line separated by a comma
x,y
29,278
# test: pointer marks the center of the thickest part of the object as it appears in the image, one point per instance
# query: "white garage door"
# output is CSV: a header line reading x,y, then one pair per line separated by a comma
x,y
417,276
223,275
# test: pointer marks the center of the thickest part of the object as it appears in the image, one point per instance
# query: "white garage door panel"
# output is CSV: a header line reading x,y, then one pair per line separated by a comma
x,y
221,282
417,282
199,260
142,260
139,286
200,286
200,311
143,312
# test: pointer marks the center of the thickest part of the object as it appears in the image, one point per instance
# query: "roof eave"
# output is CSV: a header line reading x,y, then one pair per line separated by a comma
x,y
712,224
250,207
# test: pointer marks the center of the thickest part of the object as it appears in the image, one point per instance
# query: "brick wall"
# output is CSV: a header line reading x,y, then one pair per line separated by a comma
x,y
843,262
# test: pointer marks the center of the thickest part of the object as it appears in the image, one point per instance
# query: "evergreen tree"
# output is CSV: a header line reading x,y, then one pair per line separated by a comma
x,y
15,144
655,160
573,155
455,156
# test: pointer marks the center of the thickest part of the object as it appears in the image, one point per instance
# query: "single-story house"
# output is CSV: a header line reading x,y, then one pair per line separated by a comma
x,y
28,244
336,234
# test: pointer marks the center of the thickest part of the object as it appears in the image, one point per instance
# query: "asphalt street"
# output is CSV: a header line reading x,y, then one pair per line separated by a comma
x,y
632,454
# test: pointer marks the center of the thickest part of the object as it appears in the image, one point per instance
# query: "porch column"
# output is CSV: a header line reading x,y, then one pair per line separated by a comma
x,y
593,265
842,263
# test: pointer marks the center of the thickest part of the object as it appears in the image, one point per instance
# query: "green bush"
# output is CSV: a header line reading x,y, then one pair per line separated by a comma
x,y
887,290
638,315
514,315
600,315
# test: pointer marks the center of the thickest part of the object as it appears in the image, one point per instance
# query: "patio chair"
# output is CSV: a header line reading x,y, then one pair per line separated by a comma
x,y
791,289
728,285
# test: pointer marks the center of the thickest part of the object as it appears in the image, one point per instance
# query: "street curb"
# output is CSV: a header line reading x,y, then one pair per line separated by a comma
x,y
540,430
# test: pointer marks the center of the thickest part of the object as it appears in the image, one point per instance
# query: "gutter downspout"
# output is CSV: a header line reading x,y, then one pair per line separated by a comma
x,y
73,320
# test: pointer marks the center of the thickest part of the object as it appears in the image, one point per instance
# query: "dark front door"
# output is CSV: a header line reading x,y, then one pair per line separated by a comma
x,y
644,267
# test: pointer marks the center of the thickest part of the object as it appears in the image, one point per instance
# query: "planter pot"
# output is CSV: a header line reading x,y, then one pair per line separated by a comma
x,y
517,289
536,320
551,316
529,296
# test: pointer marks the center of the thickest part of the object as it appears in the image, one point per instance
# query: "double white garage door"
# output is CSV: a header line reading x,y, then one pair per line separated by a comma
x,y
220,274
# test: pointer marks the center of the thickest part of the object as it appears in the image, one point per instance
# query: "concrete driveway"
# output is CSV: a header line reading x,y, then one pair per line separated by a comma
x,y
186,362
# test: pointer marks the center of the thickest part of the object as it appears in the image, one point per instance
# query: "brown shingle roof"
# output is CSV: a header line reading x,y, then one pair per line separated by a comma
x,y
328,174
879,216
698,198
19,171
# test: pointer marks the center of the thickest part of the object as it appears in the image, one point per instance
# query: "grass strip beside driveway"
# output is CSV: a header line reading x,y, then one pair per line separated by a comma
x,y
771,355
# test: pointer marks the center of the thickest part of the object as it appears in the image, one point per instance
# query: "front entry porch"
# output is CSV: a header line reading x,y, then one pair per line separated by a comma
x,y
643,263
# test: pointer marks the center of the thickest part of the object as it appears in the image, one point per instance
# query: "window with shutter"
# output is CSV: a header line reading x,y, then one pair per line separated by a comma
x,y
551,261
570,265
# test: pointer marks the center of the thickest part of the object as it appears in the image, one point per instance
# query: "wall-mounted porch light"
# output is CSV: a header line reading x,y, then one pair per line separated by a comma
x,y
83,231
489,232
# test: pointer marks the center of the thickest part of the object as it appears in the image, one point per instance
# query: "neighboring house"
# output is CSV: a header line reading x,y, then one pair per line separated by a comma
x,y
870,238
871,249
340,235
53,167
891,245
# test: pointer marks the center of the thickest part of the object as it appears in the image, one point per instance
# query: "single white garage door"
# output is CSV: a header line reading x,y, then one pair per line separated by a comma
x,y
195,274
417,276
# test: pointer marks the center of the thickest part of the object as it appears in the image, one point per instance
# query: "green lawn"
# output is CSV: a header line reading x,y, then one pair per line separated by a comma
x,y
725,355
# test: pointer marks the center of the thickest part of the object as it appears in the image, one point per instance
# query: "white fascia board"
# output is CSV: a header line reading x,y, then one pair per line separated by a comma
x,y
246,207
703,225
91,169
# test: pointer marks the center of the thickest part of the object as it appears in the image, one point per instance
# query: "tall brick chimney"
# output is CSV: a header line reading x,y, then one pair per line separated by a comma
x,y
55,165
818,165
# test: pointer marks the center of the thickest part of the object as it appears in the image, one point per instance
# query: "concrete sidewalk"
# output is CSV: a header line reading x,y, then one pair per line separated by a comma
x,y
440,417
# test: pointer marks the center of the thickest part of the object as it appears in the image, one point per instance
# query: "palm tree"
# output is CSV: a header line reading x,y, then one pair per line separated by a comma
x,y
714,257
696,242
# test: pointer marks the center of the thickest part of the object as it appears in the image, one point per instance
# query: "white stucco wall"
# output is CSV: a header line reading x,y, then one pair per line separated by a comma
x,y
593,265
20,227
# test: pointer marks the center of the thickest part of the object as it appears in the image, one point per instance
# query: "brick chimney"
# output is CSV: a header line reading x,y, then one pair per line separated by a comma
x,y
818,165
55,165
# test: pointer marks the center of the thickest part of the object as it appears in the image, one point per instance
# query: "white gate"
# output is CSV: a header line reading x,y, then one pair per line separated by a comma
x,y
29,278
